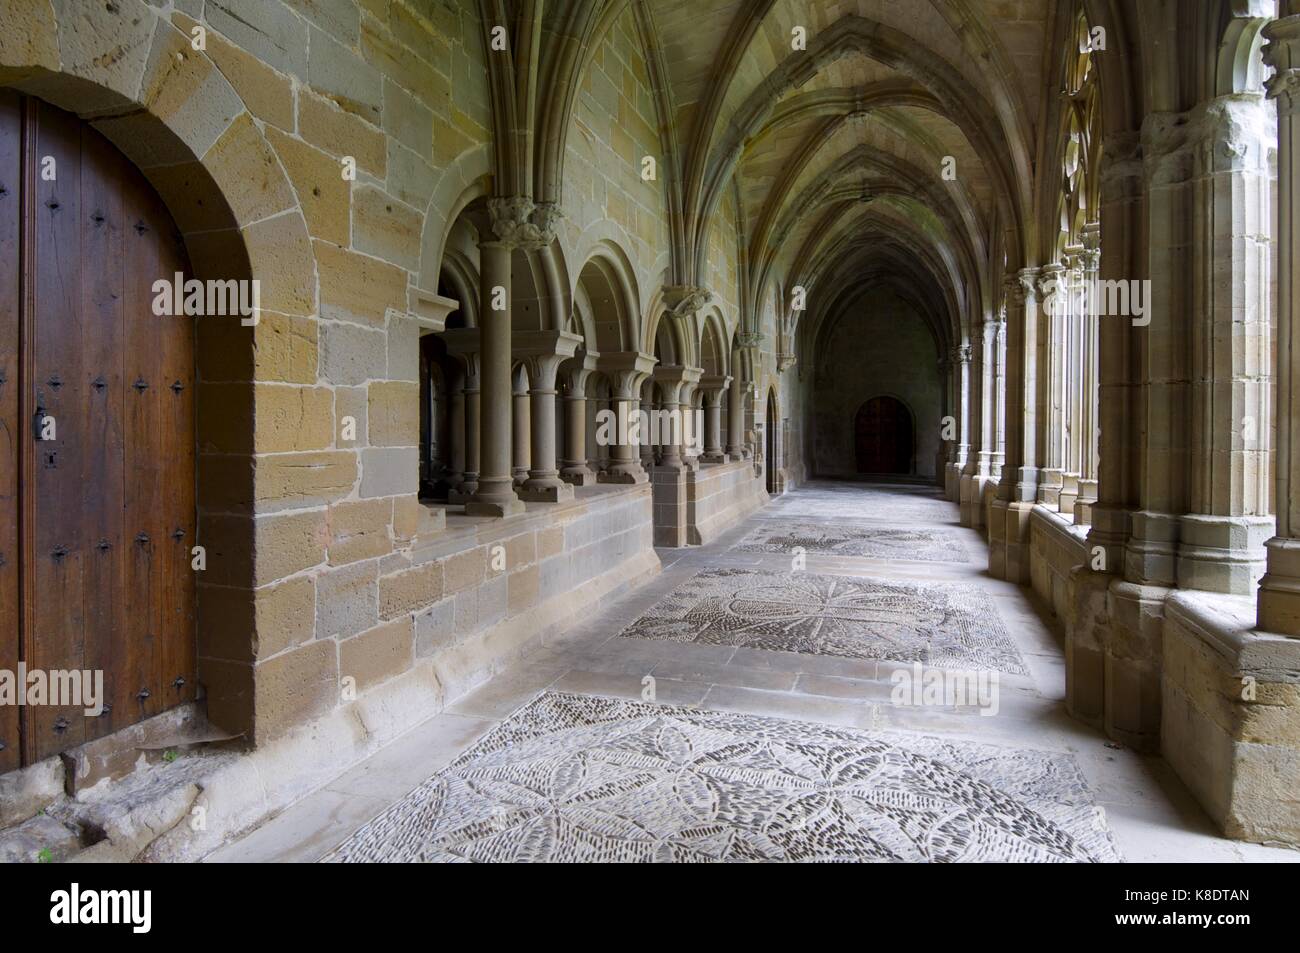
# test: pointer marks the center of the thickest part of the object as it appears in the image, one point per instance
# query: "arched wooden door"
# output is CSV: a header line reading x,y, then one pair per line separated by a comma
x,y
883,436
97,495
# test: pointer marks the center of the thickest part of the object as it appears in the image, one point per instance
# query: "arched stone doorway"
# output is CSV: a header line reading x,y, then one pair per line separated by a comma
x,y
97,434
883,436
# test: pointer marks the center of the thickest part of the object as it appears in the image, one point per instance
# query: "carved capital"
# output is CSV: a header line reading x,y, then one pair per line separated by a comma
x,y
519,223
684,301
751,339
1026,284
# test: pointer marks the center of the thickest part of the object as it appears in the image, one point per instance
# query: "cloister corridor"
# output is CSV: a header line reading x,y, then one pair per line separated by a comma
x,y
773,733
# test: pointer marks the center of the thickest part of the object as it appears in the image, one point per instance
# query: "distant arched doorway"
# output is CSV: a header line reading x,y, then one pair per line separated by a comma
x,y
883,436
770,442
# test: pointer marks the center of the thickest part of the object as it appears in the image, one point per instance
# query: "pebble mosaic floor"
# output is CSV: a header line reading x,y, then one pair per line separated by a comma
x,y
575,778
945,626
840,538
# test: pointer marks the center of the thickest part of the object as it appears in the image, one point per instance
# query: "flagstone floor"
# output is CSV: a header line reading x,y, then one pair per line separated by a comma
x,y
745,705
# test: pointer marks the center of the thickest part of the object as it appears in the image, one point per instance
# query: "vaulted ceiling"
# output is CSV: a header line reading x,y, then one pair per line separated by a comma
x,y
836,152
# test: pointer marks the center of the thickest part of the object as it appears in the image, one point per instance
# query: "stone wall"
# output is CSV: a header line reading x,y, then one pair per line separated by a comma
x,y
1056,548
322,564
1230,718
718,496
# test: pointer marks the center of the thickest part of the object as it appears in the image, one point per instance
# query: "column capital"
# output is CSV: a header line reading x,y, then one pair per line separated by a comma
x,y
1026,286
463,344
749,339
960,354
516,222
712,385
626,371
1282,52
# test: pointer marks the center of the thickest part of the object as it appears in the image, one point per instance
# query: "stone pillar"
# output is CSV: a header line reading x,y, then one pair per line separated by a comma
x,y
1051,396
1090,260
736,413
959,407
542,352
1222,534
521,426
977,455
463,344
1018,486
713,388
649,408
626,370
691,437
1279,590
577,377
1073,437
503,225
599,408
456,428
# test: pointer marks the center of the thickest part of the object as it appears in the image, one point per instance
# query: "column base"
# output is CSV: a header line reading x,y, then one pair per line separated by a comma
x,y
1018,549
578,475
465,492
966,496
1069,494
548,489
1083,504
713,456
623,473
519,476
1050,484
1278,607
998,539
494,498
1222,553
735,454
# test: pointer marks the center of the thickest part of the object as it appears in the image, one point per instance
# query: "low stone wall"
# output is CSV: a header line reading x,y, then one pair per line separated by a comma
x,y
718,496
1230,715
1056,547
432,623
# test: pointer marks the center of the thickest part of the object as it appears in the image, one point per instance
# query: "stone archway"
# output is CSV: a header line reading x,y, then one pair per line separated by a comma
x,y
199,149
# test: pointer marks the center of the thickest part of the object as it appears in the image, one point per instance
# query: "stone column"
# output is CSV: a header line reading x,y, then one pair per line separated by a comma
x,y
1052,351
983,430
1090,260
599,408
1279,590
1222,535
736,411
1000,396
456,428
671,383
713,387
503,224
959,407
521,426
626,370
1018,487
691,437
649,407
576,380
542,353
463,344
1073,381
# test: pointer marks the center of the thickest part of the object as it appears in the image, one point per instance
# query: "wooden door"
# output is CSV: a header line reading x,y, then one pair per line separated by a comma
x,y
98,411
883,436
